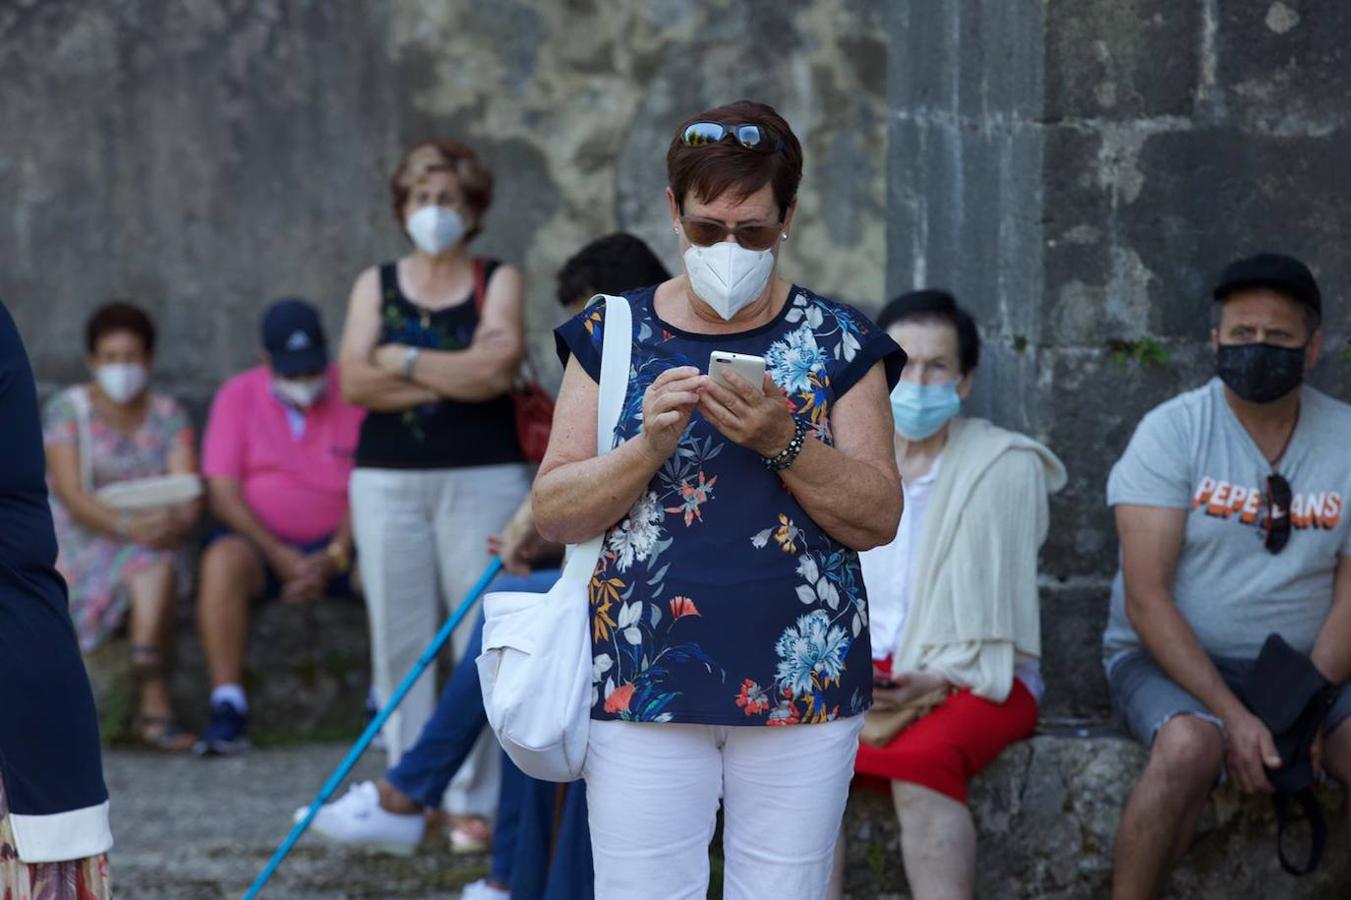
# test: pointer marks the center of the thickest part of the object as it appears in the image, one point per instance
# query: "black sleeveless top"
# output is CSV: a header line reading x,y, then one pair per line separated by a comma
x,y
450,434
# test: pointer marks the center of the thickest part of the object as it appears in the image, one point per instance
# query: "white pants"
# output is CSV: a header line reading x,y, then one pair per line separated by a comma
x,y
653,795
422,537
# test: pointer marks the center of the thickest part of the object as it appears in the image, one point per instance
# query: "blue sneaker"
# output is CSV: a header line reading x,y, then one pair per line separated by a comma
x,y
227,734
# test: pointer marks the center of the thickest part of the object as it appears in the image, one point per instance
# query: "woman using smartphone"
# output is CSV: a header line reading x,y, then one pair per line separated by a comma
x,y
728,600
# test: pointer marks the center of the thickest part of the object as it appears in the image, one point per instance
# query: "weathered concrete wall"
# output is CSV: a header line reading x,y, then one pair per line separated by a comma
x,y
205,157
1079,172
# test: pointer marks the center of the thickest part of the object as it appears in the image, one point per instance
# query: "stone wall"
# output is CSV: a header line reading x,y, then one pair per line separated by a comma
x,y
205,157
1079,172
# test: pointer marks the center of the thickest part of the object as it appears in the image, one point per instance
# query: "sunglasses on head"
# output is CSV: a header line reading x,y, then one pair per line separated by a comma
x,y
1275,521
707,232
752,137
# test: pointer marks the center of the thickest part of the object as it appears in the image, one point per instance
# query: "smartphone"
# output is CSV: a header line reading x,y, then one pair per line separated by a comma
x,y
751,368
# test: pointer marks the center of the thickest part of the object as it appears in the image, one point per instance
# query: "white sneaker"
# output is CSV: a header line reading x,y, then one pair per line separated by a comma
x,y
357,818
480,890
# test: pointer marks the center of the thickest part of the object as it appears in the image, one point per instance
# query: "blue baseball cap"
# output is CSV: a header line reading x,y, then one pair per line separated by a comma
x,y
293,337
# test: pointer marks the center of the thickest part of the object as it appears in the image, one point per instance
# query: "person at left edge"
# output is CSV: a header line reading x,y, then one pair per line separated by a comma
x,y
54,833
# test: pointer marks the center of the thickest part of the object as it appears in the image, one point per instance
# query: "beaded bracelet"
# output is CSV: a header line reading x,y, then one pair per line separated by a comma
x,y
788,455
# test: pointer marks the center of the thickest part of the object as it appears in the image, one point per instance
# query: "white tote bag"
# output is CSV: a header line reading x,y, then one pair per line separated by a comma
x,y
535,669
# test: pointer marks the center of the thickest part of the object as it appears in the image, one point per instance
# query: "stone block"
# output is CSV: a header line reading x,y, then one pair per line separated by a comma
x,y
1120,60
1285,66
1212,195
973,60
1089,407
1072,620
1046,813
965,217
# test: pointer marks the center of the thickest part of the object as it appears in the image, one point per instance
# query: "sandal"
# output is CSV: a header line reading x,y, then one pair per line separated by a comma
x,y
159,733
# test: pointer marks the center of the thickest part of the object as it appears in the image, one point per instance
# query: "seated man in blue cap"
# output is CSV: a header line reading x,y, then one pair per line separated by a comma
x,y
277,456
1230,506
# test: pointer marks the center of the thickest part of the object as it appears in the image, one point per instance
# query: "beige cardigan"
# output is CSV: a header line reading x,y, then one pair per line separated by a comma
x,y
974,605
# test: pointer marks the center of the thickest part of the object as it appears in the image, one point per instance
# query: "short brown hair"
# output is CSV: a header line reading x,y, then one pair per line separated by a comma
x,y
476,179
119,315
711,170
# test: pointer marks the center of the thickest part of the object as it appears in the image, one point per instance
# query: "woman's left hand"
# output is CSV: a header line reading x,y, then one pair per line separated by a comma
x,y
755,418
905,688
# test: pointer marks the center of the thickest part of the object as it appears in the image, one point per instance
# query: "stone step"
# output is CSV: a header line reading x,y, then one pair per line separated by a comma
x,y
1047,813
307,667
307,673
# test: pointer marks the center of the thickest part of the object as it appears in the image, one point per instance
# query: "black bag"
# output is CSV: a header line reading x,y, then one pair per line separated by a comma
x,y
1292,698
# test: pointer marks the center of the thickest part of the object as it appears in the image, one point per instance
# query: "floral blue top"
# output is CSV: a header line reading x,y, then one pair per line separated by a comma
x,y
718,600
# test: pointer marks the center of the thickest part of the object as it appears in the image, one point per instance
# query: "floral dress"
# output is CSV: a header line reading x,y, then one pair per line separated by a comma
x,y
718,600
77,879
96,567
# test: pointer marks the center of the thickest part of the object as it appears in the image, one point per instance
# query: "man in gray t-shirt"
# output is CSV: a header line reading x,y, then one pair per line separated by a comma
x,y
1214,558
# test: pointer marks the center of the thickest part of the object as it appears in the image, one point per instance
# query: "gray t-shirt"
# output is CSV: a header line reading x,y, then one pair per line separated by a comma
x,y
1192,453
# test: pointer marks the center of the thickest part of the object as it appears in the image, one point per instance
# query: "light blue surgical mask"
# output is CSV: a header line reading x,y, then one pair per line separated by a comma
x,y
919,410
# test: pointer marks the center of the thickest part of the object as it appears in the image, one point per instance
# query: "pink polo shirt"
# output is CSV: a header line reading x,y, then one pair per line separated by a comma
x,y
297,486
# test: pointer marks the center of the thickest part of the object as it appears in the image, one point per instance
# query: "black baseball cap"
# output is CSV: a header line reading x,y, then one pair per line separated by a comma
x,y
1276,271
294,337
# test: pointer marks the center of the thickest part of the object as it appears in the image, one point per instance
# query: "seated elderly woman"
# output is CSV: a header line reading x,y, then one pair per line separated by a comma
x,y
122,565
729,599
955,620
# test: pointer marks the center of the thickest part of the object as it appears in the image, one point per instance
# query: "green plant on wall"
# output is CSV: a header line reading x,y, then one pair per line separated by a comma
x,y
1346,352
1145,352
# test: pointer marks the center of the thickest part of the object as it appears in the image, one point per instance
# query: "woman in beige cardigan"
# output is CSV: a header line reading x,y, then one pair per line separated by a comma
x,y
953,599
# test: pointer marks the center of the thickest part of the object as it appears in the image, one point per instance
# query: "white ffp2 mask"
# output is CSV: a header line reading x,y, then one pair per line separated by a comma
x,y
121,382
727,276
301,393
434,228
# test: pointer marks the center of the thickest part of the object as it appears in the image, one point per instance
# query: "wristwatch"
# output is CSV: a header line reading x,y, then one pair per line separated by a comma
x,y
409,360
342,560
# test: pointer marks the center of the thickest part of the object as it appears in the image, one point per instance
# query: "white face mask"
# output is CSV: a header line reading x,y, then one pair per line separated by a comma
x,y
121,382
727,276
301,393
434,228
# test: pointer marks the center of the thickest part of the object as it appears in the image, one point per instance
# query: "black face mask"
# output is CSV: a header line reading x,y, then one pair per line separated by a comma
x,y
1260,373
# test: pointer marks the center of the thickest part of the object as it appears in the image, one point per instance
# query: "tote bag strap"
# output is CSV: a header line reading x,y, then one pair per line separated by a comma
x,y
615,359
84,441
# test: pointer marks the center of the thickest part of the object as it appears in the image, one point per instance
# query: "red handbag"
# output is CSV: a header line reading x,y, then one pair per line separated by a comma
x,y
534,405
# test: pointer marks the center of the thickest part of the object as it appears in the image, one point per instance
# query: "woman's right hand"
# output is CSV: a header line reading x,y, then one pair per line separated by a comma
x,y
668,404
903,688
154,529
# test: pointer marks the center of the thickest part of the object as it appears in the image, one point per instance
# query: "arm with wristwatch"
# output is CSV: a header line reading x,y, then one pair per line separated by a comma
x,y
365,383
482,371
303,577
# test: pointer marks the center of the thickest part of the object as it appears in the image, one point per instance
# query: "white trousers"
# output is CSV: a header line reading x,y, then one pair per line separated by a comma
x,y
422,537
653,794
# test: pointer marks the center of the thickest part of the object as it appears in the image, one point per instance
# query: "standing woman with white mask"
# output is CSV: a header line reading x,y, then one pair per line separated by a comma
x,y
729,598
116,429
431,346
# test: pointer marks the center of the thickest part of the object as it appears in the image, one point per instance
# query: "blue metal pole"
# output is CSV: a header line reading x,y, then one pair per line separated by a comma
x,y
350,760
